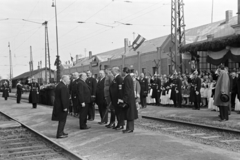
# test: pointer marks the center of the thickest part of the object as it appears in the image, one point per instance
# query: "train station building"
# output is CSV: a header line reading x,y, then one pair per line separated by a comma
x,y
207,46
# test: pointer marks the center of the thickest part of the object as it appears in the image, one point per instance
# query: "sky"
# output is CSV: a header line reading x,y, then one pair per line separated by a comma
x,y
102,26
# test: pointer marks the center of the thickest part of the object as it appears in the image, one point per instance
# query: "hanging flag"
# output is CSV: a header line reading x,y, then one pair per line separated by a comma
x,y
138,42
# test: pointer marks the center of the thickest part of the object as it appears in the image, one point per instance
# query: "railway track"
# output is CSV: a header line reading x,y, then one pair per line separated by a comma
x,y
215,136
19,142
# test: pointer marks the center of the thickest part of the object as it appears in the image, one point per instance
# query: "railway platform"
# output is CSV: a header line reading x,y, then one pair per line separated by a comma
x,y
100,143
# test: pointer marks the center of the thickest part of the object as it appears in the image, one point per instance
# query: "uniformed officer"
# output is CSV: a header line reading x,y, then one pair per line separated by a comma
x,y
196,94
19,91
34,91
74,93
176,94
92,83
144,90
6,90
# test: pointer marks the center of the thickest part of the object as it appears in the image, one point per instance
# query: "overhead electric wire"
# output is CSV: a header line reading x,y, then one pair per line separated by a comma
x,y
75,42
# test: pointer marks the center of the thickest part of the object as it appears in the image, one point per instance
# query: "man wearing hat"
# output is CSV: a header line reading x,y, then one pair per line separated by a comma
x,y
34,91
74,93
19,91
196,82
221,97
155,88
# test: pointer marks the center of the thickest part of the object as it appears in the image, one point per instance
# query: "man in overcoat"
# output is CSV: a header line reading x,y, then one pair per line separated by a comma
x,y
92,83
129,107
61,105
100,99
74,93
222,87
84,100
6,90
34,91
144,90
19,91
116,94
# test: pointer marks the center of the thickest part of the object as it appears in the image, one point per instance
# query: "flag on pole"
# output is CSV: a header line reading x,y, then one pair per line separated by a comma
x,y
138,42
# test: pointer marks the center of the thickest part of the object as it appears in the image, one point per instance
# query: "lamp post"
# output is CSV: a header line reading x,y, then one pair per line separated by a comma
x,y
58,57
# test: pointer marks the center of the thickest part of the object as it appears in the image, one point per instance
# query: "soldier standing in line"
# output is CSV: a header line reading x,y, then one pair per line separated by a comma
x,y
19,91
92,83
196,94
158,82
34,91
74,93
176,94
6,90
144,90
154,86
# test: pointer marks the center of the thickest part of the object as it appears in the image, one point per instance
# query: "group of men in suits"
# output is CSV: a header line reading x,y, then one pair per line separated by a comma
x,y
114,92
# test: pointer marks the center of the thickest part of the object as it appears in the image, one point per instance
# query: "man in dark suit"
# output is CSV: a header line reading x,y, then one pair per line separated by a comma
x,y
128,101
92,83
34,92
100,99
61,105
196,94
19,91
116,94
144,90
84,100
74,93
233,89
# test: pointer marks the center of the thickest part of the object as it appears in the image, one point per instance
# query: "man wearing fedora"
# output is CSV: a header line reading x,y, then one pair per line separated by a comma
x,y
221,97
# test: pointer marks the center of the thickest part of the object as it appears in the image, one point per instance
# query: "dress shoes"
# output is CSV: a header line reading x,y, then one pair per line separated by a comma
x,y
85,128
110,125
62,136
119,128
65,134
127,131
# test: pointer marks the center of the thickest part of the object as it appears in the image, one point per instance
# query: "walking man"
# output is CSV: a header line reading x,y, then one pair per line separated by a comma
x,y
61,105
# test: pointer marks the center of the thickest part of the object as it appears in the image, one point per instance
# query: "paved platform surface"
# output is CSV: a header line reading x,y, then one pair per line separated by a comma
x,y
100,143
203,116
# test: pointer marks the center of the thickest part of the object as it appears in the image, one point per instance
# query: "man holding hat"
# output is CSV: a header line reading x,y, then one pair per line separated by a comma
x,y
221,97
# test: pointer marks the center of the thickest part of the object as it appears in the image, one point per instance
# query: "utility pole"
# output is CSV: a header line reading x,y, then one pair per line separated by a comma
x,y
31,61
10,61
47,54
177,32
